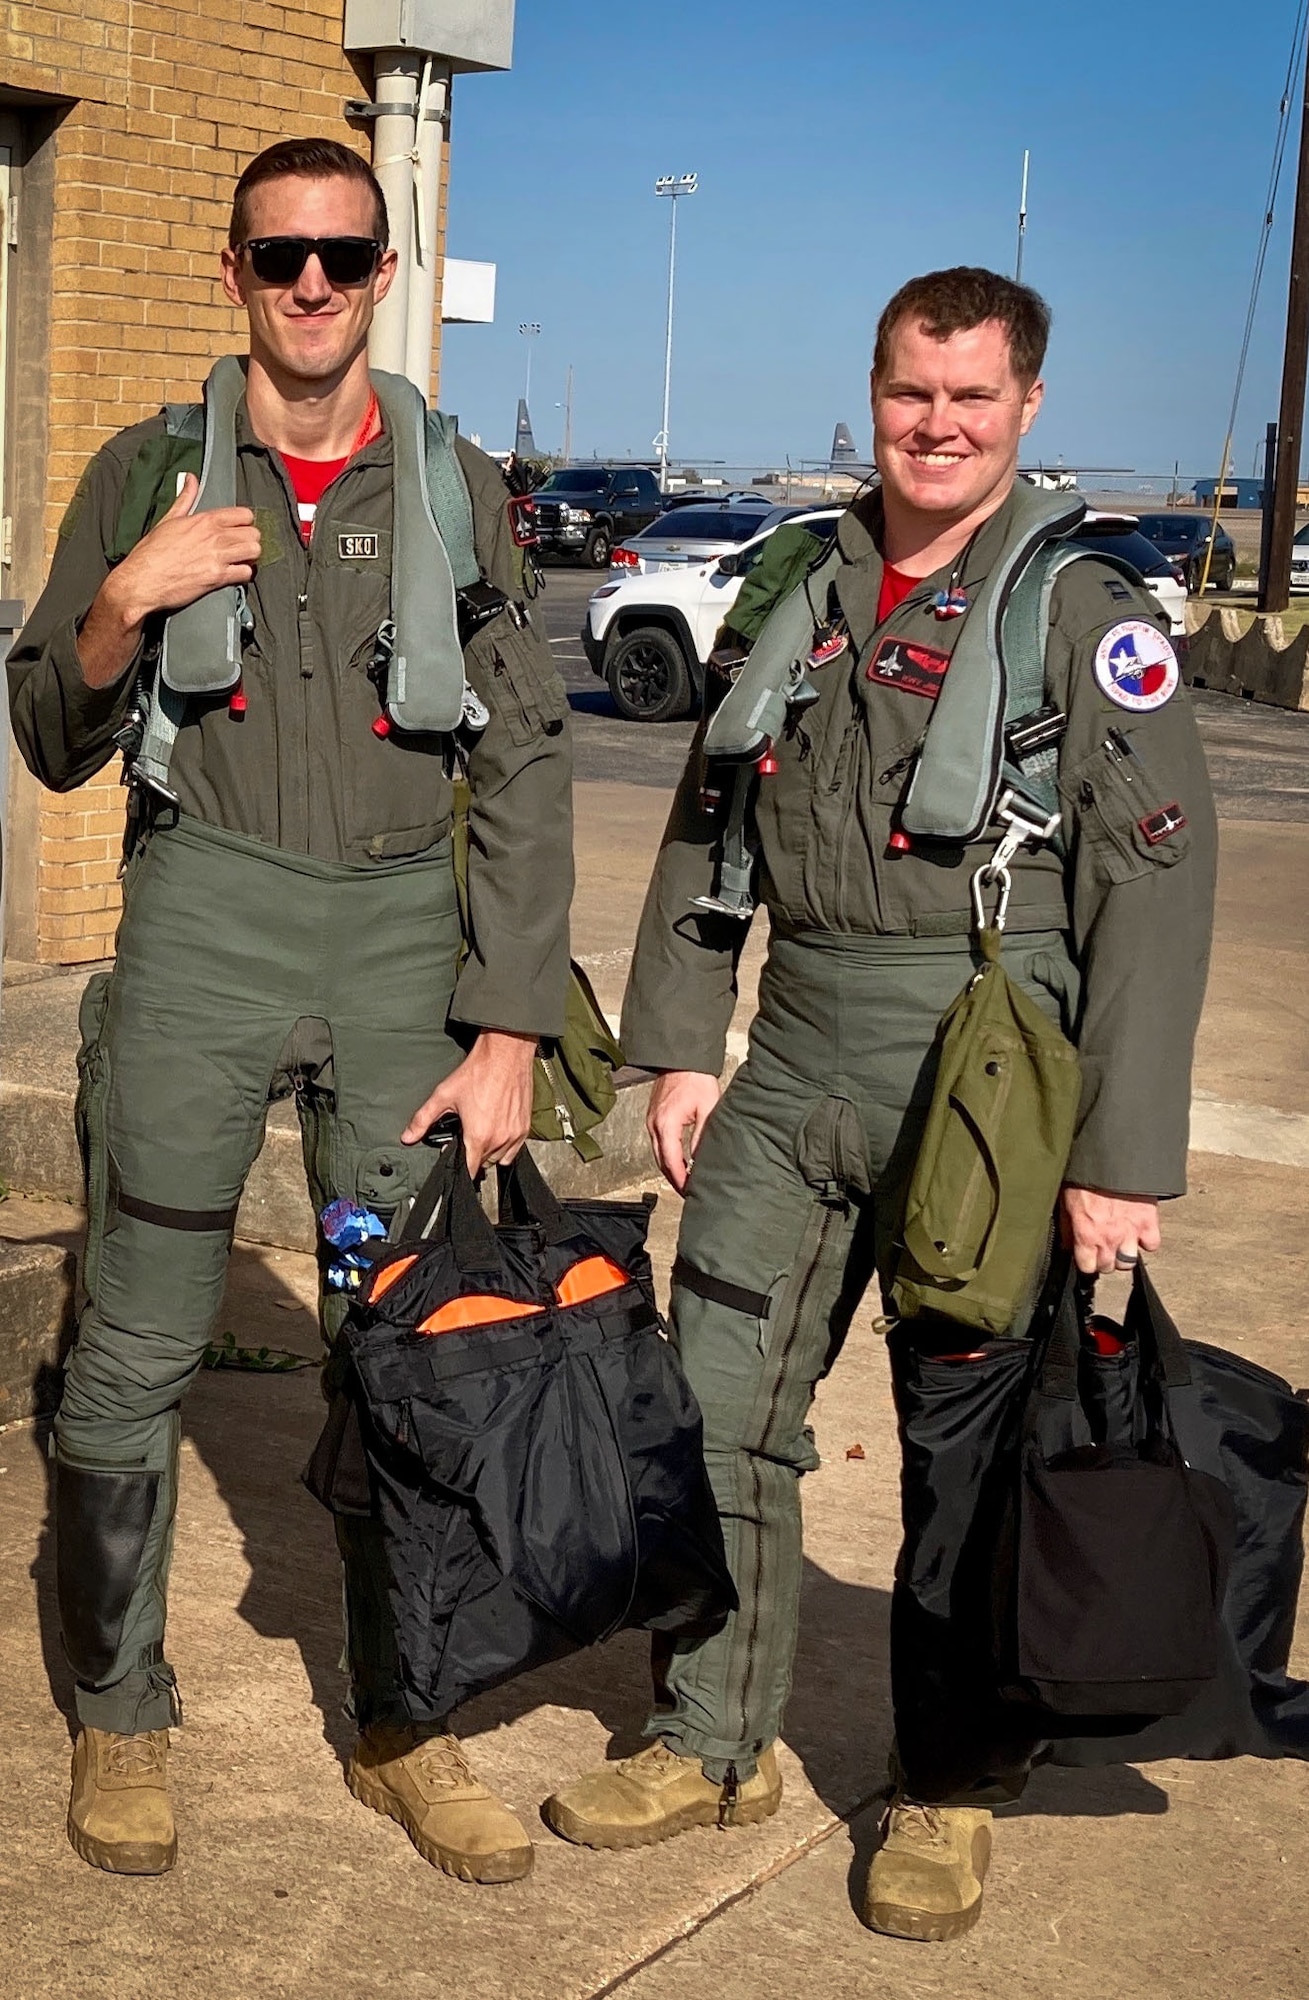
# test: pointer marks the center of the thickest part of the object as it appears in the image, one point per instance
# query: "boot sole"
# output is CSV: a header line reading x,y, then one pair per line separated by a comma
x,y
509,1865
123,1857
584,1833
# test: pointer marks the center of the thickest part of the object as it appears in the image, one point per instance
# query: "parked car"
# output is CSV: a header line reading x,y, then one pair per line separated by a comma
x,y
1300,561
1184,538
711,496
582,510
1123,535
648,633
694,534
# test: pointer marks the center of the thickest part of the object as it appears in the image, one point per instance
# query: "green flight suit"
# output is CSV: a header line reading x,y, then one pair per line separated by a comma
x,y
296,931
795,1193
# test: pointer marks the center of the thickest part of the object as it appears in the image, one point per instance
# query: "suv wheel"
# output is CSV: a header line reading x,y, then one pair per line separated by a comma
x,y
648,677
599,544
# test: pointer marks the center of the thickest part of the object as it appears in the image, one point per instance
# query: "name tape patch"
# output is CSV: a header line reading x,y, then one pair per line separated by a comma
x,y
358,548
902,663
1159,826
1136,666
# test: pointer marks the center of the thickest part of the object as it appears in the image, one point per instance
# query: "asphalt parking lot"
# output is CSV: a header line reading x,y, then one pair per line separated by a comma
x,y
1258,756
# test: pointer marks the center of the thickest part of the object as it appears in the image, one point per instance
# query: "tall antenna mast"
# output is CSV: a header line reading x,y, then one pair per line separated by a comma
x,y
1022,222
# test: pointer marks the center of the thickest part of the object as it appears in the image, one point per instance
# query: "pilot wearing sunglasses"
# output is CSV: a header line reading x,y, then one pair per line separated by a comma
x,y
290,919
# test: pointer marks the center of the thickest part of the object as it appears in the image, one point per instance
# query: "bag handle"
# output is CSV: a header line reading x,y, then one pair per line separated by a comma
x,y
446,1208
526,1196
1146,1320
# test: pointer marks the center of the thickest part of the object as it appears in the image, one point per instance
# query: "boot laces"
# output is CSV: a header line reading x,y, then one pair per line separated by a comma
x,y
441,1760
656,1759
134,1756
921,1825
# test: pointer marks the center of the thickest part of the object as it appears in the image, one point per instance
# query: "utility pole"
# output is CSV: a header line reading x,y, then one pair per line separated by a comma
x,y
1276,592
1266,512
674,186
568,416
1022,222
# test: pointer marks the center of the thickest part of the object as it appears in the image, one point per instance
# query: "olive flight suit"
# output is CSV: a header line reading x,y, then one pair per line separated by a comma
x,y
795,1192
293,929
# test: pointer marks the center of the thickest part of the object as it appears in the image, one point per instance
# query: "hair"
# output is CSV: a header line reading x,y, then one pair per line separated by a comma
x,y
310,159
953,301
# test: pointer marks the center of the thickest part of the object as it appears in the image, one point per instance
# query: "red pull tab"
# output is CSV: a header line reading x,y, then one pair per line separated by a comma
x,y
381,726
236,702
900,843
768,766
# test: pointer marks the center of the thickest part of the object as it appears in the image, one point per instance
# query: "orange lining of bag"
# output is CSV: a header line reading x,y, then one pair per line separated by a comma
x,y
390,1274
591,1278
476,1309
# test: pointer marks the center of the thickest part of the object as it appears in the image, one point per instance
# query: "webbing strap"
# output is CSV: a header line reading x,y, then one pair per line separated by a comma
x,y
719,1291
448,491
201,651
197,1221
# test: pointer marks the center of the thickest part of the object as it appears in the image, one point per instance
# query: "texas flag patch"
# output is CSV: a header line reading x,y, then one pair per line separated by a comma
x,y
902,663
1136,667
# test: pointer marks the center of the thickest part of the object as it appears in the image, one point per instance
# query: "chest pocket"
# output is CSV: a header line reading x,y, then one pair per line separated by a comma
x,y
1129,822
514,675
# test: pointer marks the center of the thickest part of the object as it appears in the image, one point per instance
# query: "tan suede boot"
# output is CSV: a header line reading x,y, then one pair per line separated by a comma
x,y
426,1785
926,1878
656,1794
119,1817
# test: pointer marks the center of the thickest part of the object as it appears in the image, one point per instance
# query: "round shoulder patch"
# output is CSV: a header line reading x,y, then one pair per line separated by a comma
x,y
1136,666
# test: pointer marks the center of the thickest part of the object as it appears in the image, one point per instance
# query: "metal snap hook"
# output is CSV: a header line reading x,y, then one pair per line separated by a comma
x,y
981,882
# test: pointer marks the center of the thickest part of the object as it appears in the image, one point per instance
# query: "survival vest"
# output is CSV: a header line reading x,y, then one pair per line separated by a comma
x,y
433,557
996,679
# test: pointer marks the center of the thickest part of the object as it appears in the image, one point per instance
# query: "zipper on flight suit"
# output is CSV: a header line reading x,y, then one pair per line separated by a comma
x,y
788,1348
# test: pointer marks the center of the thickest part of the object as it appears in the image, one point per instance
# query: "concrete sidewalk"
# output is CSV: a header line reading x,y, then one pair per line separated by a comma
x,y
1120,1885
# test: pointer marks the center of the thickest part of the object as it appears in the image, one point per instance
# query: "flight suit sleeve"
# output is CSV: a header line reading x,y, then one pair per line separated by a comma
x,y
1141,835
681,989
64,728
520,774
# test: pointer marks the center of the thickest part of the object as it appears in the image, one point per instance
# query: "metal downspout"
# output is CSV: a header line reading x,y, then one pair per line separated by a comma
x,y
395,90
434,98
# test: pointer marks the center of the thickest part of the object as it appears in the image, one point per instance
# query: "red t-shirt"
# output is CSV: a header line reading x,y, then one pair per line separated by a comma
x,y
896,586
310,479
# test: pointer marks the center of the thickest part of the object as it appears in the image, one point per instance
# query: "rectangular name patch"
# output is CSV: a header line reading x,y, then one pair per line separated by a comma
x,y
358,548
903,664
1159,826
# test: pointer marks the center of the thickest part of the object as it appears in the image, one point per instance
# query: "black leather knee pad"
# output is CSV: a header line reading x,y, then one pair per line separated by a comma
x,y
102,1520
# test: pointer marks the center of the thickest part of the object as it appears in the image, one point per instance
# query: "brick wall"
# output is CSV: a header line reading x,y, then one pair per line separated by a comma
x,y
170,101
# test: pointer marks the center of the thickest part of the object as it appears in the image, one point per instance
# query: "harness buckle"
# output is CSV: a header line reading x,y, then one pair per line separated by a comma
x,y
1020,826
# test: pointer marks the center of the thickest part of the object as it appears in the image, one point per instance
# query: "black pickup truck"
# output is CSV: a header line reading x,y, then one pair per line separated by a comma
x,y
583,510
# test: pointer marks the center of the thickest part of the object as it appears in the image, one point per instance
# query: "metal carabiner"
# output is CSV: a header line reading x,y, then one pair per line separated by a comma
x,y
982,881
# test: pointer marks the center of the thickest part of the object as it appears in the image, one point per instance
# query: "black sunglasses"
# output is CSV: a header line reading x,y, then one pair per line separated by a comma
x,y
346,260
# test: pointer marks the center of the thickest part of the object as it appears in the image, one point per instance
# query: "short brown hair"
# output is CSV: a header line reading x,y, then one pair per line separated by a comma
x,y
312,160
954,301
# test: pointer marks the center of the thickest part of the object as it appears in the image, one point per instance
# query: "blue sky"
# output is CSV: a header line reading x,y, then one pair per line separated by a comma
x,y
841,148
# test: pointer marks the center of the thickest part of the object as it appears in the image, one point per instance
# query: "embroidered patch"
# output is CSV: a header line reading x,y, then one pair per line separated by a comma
x,y
1135,666
1158,826
358,548
903,664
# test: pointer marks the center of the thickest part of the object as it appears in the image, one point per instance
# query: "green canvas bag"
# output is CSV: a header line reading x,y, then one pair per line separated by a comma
x,y
995,1146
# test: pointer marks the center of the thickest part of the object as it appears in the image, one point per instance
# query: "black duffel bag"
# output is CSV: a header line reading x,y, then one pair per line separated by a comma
x,y
975,1429
1120,1548
526,1436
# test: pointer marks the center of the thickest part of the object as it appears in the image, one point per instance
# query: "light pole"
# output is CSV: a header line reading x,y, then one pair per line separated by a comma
x,y
672,185
1022,223
529,328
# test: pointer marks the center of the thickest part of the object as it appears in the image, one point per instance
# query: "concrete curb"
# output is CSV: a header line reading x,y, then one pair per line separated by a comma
x,y
36,1323
38,1156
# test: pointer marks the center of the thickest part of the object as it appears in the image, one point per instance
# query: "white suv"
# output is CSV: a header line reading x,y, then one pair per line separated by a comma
x,y
650,634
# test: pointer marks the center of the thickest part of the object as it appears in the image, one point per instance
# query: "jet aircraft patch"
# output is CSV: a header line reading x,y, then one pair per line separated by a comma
x,y
1136,667
904,664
